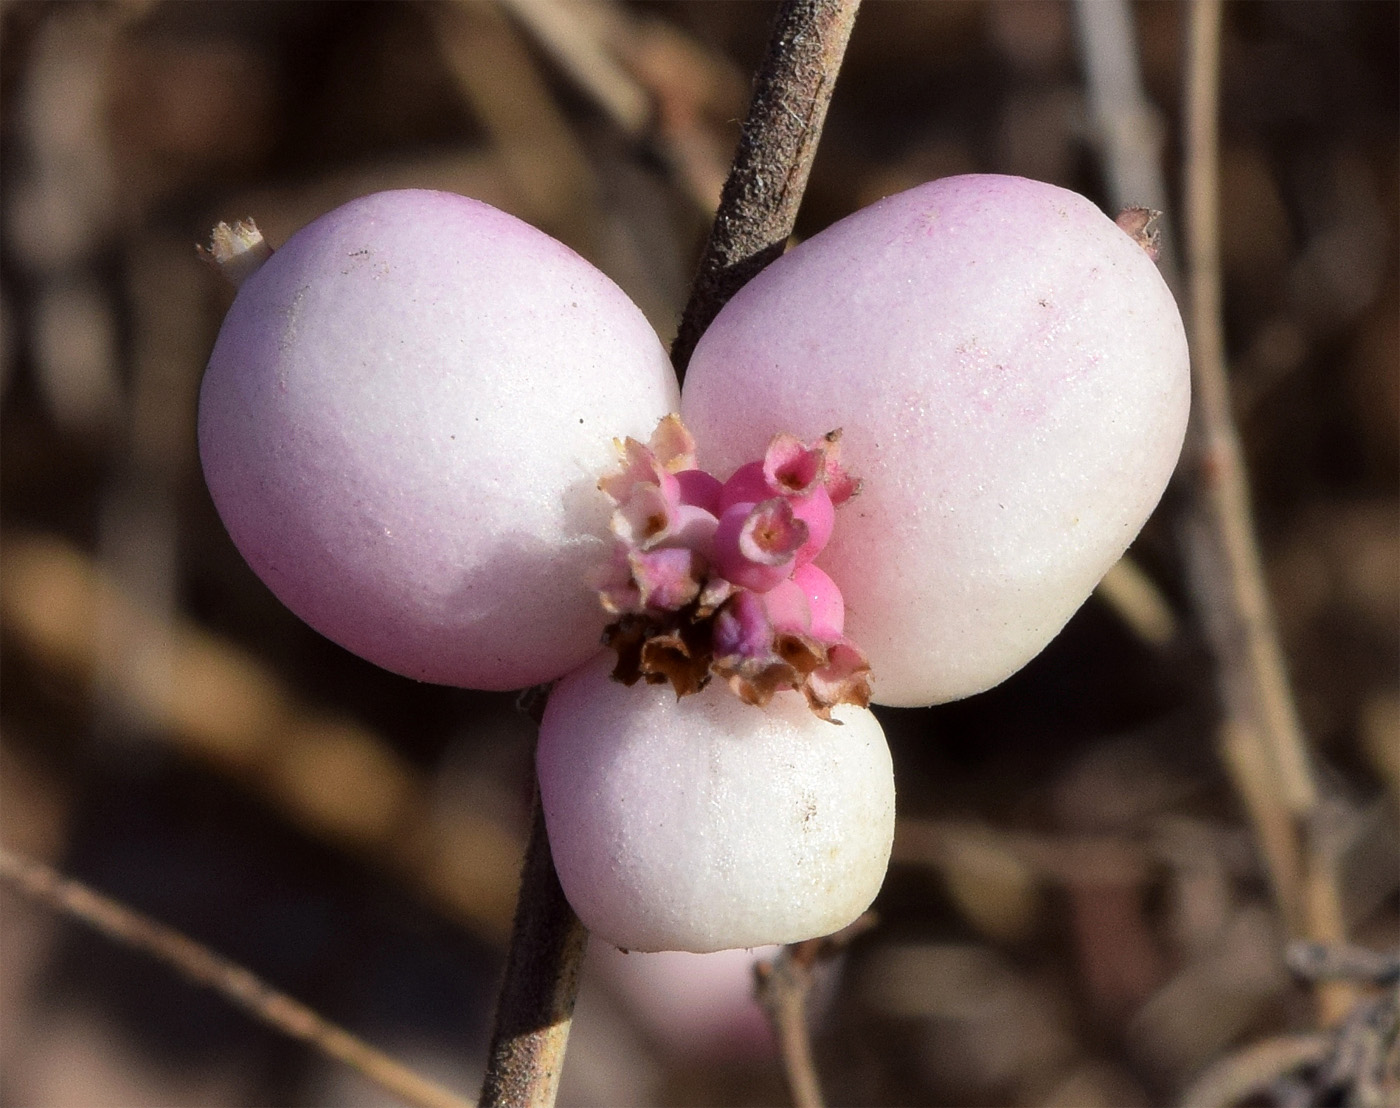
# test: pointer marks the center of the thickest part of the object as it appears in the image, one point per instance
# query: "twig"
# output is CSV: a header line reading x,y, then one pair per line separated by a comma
x,y
329,776
652,80
758,207
572,34
1253,1070
1223,555
231,981
783,985
1316,962
536,1004
1127,125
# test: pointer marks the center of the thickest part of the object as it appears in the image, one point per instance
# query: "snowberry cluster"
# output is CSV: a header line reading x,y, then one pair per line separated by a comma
x,y
405,426
711,578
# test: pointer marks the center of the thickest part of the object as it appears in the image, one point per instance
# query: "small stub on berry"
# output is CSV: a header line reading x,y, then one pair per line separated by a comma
x,y
237,251
711,578
1142,225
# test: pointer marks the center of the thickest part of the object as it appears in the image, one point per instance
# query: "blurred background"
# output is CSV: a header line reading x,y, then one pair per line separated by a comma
x,y
1077,913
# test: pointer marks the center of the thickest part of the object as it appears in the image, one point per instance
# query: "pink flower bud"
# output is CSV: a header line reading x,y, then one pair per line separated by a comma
x,y
667,578
742,628
793,468
787,608
756,544
825,604
747,485
817,512
700,489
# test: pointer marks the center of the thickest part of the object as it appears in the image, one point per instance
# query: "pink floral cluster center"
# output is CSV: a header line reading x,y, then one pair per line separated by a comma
x,y
716,579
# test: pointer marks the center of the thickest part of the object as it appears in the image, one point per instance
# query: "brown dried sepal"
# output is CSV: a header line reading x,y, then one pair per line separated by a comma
x,y
237,251
662,647
1141,224
844,679
675,648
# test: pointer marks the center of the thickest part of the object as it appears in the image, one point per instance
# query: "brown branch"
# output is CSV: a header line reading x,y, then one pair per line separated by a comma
x,y
536,1005
230,980
758,207
757,211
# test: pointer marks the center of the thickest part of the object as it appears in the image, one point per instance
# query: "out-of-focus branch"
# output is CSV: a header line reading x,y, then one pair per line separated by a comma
x,y
783,985
1126,125
572,33
1261,740
230,980
1254,1070
1224,557
328,775
653,81
758,206
502,83
1265,746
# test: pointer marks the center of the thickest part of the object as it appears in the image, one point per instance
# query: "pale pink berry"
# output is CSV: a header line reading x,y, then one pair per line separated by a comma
x,y
401,424
704,823
1011,376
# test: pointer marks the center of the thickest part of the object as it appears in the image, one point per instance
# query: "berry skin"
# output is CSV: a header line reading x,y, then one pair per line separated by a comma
x,y
705,823
1011,376
403,424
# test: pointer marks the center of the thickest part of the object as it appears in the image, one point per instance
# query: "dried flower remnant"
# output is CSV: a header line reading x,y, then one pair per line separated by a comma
x,y
714,579
1141,224
237,251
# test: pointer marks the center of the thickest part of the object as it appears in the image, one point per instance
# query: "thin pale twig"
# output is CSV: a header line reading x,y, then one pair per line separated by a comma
x,y
1254,1070
1264,736
1126,124
1318,962
572,34
783,985
231,981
